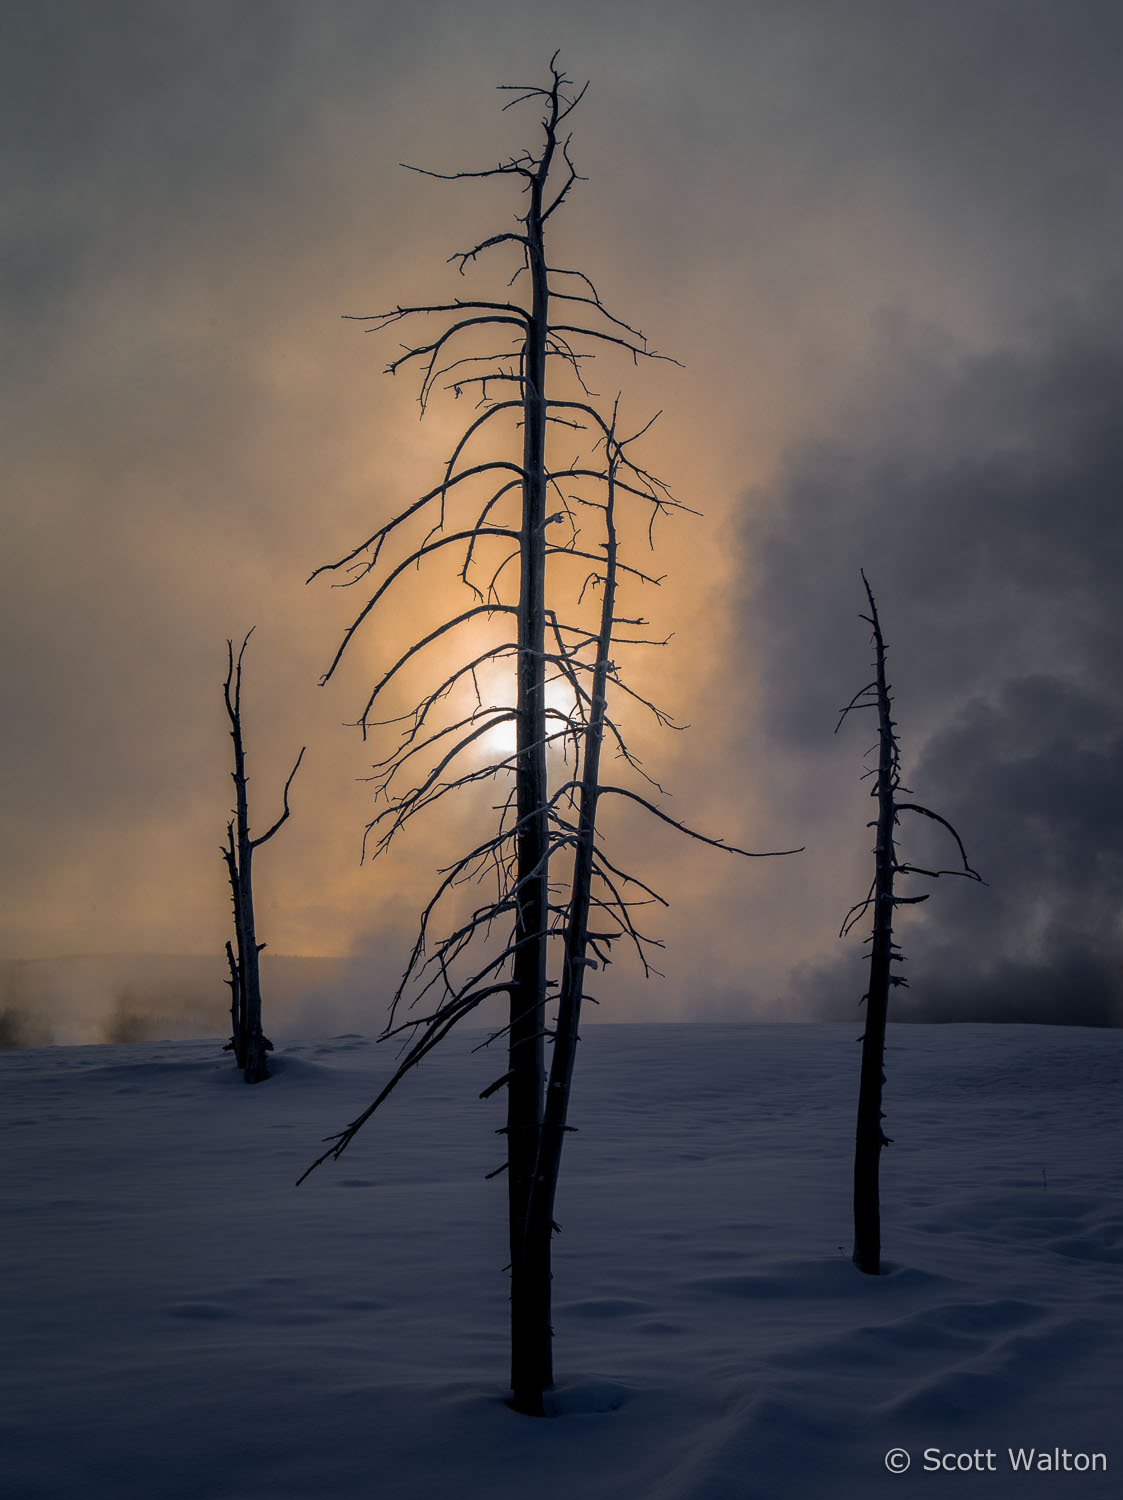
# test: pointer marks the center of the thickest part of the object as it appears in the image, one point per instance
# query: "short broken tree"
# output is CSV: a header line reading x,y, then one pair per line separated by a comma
x,y
870,1137
248,1042
530,530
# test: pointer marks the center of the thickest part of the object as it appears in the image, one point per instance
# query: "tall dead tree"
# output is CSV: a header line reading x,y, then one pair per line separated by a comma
x,y
248,1042
547,659
870,1137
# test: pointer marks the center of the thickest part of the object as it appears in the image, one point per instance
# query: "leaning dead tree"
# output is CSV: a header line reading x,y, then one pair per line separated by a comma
x,y
525,521
870,1137
248,1042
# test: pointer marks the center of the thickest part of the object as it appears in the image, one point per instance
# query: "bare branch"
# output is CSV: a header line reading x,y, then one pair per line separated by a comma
x,y
375,541
927,813
621,791
256,843
393,315
870,687
468,614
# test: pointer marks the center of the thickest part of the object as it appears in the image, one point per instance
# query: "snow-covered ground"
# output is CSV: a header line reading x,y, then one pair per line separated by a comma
x,y
180,1321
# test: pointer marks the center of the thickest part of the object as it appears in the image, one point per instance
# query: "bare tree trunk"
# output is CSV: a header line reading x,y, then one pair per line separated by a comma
x,y
250,1044
235,982
255,1045
577,959
531,1366
870,1138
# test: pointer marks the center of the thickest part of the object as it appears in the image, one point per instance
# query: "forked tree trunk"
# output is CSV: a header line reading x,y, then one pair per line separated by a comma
x,y
517,856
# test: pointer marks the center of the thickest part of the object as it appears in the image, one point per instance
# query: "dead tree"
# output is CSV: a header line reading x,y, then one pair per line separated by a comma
x,y
870,1137
248,1042
533,531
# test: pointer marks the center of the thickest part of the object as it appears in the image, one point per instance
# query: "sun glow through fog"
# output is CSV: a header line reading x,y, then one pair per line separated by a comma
x,y
499,743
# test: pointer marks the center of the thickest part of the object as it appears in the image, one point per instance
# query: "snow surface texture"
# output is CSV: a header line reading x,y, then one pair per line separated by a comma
x,y
179,1321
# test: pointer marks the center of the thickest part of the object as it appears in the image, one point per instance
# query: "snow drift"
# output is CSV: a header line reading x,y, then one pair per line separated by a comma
x,y
182,1322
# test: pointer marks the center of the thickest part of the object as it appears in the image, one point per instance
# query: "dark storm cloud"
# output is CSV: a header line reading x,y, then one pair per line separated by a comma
x,y
1035,772
981,495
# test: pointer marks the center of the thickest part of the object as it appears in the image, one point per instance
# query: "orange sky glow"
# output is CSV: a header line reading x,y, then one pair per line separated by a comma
x,y
866,247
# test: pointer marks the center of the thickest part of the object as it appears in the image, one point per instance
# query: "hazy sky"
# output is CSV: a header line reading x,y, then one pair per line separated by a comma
x,y
882,237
